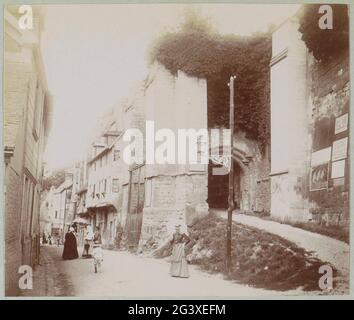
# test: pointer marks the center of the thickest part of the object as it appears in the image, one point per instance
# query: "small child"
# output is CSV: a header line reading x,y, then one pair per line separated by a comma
x,y
86,249
97,250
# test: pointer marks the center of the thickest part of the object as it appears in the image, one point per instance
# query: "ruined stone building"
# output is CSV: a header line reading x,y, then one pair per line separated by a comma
x,y
175,193
158,196
310,131
27,112
145,199
301,174
148,199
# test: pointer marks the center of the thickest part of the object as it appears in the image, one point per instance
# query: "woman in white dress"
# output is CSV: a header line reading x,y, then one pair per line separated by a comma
x,y
179,266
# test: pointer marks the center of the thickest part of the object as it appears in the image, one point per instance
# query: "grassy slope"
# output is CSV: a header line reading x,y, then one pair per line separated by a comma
x,y
259,258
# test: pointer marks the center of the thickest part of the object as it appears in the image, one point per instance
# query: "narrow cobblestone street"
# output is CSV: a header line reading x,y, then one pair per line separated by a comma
x,y
49,277
125,275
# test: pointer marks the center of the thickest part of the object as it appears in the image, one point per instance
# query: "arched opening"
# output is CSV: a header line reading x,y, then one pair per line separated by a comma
x,y
218,187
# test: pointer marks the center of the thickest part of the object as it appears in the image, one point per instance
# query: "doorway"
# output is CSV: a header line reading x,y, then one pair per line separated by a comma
x,y
218,188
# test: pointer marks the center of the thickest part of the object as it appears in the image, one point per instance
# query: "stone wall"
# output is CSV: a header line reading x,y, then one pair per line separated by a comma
x,y
18,247
289,124
310,99
13,257
15,89
329,103
178,191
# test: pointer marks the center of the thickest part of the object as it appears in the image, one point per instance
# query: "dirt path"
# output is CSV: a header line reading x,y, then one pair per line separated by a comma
x,y
125,275
324,248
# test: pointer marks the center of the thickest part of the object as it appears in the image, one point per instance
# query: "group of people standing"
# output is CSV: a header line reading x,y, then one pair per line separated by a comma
x,y
93,242
49,239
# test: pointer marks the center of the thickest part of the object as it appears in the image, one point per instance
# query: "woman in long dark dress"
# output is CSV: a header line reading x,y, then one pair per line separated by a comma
x,y
179,267
70,246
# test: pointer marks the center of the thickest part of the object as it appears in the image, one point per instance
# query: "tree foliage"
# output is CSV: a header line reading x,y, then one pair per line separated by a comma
x,y
199,51
55,180
324,43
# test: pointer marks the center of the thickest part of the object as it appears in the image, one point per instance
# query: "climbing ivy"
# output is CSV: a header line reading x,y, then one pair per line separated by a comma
x,y
324,43
199,51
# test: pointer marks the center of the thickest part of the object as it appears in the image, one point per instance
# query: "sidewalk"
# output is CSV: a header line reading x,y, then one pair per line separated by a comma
x,y
324,248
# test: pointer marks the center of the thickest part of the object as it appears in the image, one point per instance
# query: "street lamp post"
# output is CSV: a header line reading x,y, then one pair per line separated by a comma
x,y
231,180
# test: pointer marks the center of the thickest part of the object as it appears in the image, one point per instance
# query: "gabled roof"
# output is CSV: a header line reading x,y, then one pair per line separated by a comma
x,y
65,185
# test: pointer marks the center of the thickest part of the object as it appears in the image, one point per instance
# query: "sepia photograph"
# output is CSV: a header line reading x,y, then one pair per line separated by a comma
x,y
176,151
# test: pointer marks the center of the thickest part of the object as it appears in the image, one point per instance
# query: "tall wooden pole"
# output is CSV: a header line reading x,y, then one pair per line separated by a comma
x,y
231,180
138,200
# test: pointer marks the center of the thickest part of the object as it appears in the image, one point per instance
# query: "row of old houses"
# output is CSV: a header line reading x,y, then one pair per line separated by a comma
x,y
57,209
104,178
27,115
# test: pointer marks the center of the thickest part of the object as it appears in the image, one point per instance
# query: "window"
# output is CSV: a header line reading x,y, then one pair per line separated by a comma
x,y
56,214
103,186
116,155
115,185
322,137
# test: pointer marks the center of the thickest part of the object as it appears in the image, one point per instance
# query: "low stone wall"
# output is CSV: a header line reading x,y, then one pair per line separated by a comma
x,y
177,199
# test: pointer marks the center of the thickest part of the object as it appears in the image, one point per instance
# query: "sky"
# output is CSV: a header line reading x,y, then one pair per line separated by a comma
x,y
94,54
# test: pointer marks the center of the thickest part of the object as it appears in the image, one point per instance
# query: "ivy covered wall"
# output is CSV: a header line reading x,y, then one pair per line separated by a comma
x,y
325,44
201,52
